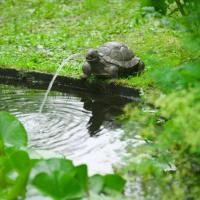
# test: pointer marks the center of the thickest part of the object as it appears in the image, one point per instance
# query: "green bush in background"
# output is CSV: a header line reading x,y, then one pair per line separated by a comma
x,y
169,163
162,6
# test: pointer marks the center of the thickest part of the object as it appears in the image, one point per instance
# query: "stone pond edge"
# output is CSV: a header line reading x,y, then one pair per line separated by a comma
x,y
41,80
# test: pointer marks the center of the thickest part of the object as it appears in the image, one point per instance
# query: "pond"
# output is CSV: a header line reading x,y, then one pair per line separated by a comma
x,y
78,125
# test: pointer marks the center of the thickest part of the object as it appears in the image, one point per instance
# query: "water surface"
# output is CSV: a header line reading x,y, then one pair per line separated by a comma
x,y
78,125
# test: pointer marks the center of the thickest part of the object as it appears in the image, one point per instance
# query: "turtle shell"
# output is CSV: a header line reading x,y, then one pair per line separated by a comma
x,y
118,54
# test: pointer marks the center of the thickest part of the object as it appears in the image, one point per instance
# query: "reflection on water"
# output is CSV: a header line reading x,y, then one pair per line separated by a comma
x,y
103,109
78,125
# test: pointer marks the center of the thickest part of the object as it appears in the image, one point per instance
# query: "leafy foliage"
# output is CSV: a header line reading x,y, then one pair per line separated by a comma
x,y
168,164
172,164
57,178
160,6
163,5
11,131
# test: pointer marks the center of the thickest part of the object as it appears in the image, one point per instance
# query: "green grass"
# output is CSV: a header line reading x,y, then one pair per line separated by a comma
x,y
38,35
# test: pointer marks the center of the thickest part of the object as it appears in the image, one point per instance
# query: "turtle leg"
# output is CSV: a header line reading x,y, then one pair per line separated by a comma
x,y
86,70
113,71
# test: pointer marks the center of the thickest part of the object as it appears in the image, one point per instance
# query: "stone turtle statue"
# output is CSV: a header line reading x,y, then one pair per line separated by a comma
x,y
112,59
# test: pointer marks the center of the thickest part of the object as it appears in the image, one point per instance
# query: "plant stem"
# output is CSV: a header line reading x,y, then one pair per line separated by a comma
x,y
180,7
173,11
1,148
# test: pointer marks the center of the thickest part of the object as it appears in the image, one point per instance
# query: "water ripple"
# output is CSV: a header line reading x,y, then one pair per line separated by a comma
x,y
77,125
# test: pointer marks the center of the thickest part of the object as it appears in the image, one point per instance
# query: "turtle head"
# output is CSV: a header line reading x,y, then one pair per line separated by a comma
x,y
92,55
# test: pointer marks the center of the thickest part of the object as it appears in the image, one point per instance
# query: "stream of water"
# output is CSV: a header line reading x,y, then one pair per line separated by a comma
x,y
64,62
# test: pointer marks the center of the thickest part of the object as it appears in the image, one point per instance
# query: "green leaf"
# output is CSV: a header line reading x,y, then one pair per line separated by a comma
x,y
96,183
82,176
19,188
53,165
15,167
71,188
12,131
59,179
59,187
20,161
114,182
46,183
